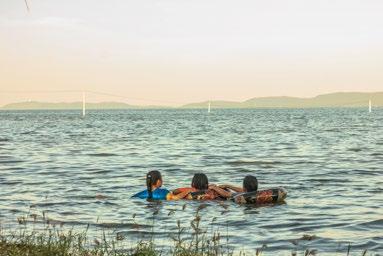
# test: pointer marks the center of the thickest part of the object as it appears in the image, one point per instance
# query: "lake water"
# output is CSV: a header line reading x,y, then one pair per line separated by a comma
x,y
329,160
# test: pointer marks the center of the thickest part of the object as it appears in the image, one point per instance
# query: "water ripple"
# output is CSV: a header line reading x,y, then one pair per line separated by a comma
x,y
77,171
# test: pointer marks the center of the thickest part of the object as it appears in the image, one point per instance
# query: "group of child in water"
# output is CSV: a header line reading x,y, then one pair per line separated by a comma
x,y
200,189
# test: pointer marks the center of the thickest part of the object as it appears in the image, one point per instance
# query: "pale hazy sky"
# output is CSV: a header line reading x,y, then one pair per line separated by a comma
x,y
178,51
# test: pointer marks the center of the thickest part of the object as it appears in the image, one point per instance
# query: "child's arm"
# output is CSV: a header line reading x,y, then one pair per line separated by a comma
x,y
180,190
234,188
172,196
220,191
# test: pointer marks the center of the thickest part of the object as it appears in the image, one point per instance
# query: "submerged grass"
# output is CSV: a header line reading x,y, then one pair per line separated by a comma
x,y
188,241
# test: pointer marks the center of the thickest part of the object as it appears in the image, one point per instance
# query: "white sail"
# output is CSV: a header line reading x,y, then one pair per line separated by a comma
x,y
209,106
369,106
83,104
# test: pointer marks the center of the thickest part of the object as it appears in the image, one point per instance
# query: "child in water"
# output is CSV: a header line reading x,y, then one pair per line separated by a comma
x,y
154,190
250,184
199,189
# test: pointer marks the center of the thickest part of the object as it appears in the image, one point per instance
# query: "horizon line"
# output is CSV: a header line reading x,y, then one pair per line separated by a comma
x,y
254,102
181,104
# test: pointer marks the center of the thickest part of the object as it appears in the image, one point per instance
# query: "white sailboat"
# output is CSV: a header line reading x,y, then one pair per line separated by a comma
x,y
209,107
83,104
369,106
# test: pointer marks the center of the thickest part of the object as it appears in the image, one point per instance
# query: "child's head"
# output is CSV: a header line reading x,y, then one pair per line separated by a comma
x,y
250,183
153,180
200,181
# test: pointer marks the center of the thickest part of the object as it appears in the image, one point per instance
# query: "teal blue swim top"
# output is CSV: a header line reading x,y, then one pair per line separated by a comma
x,y
158,194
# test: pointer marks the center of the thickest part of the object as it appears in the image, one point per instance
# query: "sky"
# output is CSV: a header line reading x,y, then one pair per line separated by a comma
x,y
171,52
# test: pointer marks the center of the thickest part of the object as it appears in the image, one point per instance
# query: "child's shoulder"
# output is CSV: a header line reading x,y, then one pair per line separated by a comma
x,y
162,190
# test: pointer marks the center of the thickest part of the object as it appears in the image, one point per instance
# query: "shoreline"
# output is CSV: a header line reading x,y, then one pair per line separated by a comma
x,y
192,239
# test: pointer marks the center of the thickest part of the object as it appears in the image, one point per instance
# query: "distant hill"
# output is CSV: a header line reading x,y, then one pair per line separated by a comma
x,y
31,105
340,99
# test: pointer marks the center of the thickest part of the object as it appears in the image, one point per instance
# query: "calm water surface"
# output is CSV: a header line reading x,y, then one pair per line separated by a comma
x,y
329,160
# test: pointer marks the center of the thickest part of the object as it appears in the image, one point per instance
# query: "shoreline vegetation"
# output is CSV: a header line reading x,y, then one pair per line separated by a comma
x,y
190,240
341,99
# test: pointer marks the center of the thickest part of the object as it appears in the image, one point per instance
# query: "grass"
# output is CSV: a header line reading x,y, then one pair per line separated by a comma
x,y
192,240
54,242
